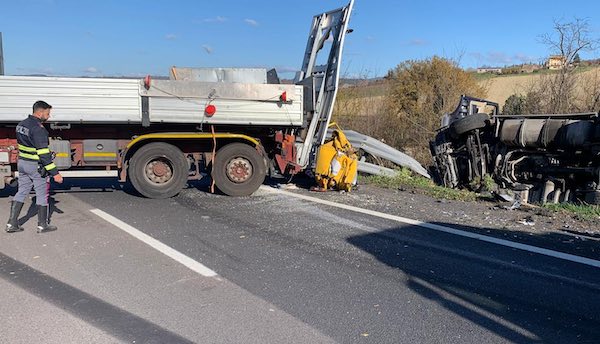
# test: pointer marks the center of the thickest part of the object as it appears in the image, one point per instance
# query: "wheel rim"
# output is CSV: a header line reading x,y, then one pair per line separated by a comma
x,y
159,171
239,170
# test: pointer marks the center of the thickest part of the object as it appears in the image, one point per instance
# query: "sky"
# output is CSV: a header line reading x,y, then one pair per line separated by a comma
x,y
135,38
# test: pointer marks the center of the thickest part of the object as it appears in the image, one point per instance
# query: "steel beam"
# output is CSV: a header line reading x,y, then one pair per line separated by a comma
x,y
1,56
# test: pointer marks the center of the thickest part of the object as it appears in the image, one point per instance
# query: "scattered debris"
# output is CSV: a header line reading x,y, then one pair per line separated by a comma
x,y
516,205
504,197
289,186
528,221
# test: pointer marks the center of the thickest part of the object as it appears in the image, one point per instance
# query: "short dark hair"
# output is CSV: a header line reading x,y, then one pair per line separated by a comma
x,y
40,104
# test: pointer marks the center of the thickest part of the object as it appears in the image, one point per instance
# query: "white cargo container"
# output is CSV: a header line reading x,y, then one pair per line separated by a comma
x,y
74,99
82,100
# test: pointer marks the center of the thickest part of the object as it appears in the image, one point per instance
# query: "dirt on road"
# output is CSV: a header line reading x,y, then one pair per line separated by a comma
x,y
531,225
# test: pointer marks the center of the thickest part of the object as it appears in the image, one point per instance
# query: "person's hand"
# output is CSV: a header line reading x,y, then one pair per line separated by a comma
x,y
58,178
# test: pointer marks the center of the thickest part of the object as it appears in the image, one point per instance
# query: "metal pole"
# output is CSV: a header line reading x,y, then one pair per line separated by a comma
x,y
1,56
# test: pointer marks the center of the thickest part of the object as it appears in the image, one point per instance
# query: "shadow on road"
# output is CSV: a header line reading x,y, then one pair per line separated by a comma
x,y
69,186
519,304
87,185
98,313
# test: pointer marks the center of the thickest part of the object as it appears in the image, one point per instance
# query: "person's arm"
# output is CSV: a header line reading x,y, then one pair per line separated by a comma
x,y
40,140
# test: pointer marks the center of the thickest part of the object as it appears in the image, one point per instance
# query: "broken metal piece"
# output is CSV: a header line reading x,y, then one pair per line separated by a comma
x,y
383,151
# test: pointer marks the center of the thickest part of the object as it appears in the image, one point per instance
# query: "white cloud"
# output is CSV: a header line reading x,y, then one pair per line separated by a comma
x,y
171,36
217,19
523,58
498,58
251,22
477,56
91,70
417,42
207,48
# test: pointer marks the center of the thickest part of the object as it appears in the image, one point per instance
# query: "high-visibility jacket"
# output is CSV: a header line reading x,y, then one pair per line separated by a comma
x,y
32,139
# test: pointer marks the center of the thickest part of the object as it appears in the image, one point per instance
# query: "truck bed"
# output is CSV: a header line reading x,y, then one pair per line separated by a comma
x,y
104,100
73,99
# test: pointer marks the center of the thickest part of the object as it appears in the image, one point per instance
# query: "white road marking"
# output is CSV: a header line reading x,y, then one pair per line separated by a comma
x,y
157,245
502,242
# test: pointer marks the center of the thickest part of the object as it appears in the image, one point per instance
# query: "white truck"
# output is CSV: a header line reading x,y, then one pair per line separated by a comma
x,y
235,124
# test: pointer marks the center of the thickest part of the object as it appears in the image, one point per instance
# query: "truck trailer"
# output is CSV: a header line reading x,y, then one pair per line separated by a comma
x,y
236,124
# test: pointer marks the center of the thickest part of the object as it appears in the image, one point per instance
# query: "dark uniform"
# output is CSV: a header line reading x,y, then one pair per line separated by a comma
x,y
35,167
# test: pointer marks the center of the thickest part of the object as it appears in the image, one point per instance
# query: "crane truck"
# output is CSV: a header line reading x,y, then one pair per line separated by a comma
x,y
236,124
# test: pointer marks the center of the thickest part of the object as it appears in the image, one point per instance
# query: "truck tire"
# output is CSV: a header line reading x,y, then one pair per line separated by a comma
x,y
239,169
467,124
158,170
593,197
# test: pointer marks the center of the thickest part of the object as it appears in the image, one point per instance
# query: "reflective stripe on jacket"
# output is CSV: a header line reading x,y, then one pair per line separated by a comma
x,y
32,139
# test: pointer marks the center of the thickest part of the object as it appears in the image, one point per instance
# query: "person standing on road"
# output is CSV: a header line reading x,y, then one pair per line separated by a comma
x,y
35,168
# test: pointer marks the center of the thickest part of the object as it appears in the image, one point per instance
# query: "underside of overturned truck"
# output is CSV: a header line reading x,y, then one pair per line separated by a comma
x,y
540,158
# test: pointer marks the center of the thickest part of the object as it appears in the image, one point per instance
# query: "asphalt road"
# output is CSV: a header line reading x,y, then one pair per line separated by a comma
x,y
289,270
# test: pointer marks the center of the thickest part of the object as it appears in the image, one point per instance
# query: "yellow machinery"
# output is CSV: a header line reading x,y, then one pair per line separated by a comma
x,y
337,164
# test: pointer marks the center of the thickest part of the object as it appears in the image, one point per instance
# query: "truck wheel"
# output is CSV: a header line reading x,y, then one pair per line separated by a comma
x,y
469,123
158,170
238,169
593,197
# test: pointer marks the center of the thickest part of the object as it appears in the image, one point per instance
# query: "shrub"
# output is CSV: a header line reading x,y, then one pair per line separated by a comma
x,y
514,105
420,93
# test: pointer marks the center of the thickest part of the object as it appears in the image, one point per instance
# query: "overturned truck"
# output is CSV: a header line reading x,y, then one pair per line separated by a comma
x,y
539,158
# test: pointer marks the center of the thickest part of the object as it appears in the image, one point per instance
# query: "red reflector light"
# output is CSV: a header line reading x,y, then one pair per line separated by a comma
x,y
147,82
283,97
210,110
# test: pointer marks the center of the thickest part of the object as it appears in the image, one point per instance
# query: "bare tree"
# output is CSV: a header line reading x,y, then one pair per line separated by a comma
x,y
558,92
570,38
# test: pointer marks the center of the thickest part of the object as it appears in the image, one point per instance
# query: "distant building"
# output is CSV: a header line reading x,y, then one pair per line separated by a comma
x,y
556,62
496,70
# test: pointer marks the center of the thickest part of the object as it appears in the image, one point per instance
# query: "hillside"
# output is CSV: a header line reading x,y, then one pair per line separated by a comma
x,y
500,87
366,98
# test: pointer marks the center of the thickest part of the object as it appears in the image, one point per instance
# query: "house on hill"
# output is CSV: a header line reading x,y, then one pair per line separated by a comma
x,y
496,70
556,62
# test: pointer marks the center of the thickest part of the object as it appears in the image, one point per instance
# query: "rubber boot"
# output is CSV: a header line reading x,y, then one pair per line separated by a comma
x,y
13,221
43,225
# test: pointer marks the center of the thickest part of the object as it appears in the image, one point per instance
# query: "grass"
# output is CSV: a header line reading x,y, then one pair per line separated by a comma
x,y
583,211
487,76
405,179
379,89
484,76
